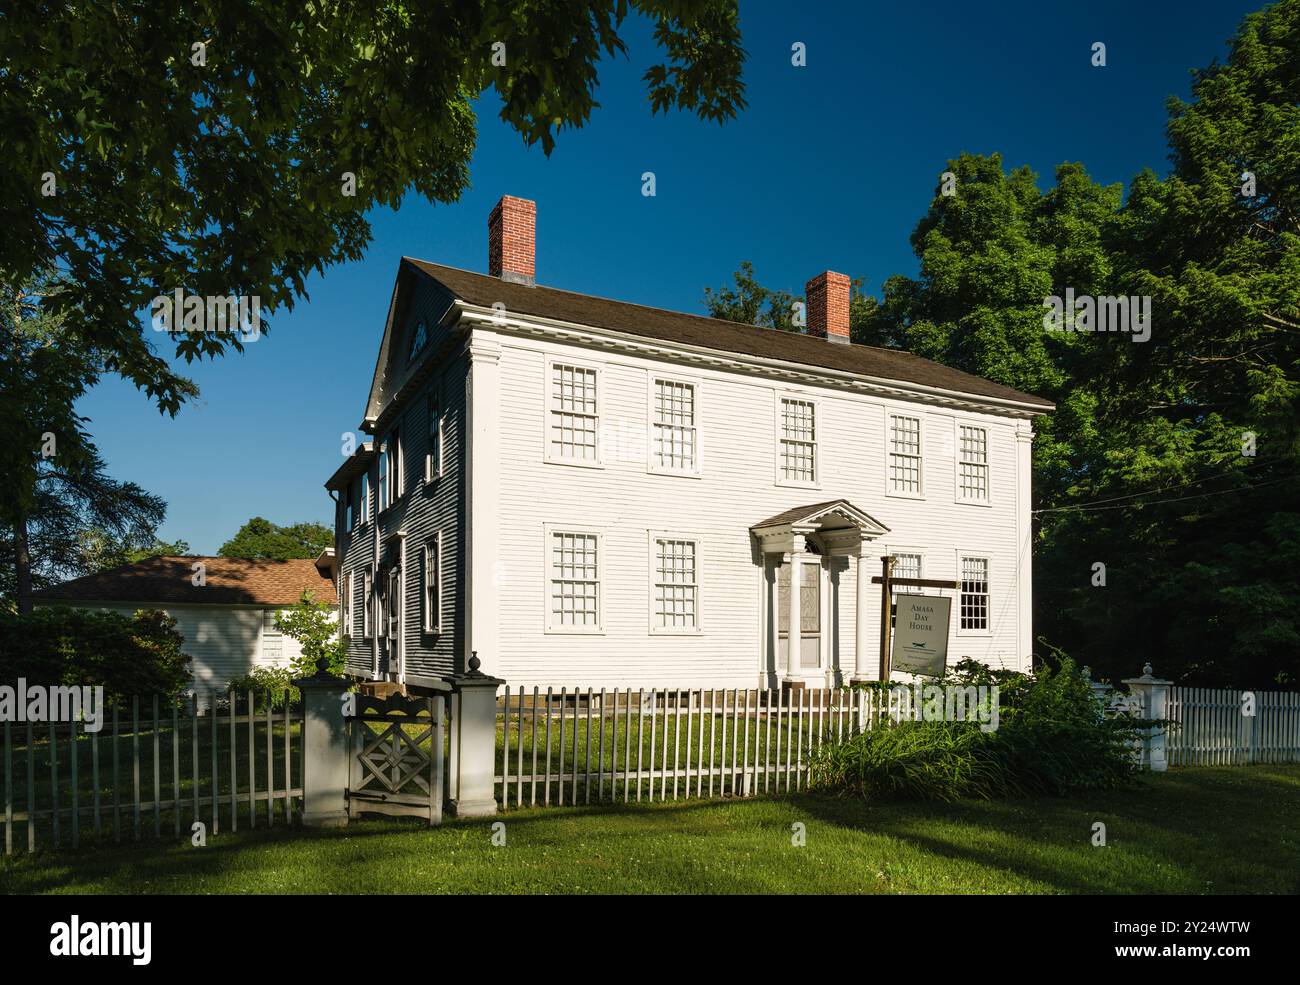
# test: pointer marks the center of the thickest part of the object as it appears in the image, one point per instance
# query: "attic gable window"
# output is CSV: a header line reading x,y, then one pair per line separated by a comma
x,y
419,339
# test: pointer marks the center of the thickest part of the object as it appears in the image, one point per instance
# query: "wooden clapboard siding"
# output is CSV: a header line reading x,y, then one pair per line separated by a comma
x,y
225,641
425,508
737,487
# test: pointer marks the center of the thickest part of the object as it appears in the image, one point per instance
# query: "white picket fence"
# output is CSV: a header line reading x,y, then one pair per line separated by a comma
x,y
157,765
629,745
1211,728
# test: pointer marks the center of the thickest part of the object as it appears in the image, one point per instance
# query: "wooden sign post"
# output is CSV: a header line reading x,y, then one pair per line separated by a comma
x,y
887,583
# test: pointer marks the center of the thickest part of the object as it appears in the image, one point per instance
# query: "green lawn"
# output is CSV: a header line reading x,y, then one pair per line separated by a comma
x,y
1224,830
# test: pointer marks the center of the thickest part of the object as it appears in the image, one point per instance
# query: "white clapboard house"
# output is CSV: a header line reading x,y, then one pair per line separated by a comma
x,y
591,492
227,617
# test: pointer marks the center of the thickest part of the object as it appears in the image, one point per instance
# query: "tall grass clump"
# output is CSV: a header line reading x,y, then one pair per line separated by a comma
x,y
1051,738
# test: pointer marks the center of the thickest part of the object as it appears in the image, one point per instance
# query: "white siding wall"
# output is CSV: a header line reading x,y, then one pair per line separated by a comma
x,y
225,641
737,488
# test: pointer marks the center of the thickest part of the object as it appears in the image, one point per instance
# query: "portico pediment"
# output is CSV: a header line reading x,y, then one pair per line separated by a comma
x,y
836,527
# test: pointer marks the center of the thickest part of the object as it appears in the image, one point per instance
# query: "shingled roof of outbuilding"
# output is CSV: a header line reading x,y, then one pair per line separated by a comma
x,y
718,334
170,580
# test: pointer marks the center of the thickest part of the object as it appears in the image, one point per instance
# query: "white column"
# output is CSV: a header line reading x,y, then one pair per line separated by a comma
x,y
793,634
862,639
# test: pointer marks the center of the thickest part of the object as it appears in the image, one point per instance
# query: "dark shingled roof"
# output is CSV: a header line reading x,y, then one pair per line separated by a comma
x,y
167,580
715,333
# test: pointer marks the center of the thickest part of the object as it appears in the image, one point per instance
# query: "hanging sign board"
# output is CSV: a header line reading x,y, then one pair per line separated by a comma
x,y
921,634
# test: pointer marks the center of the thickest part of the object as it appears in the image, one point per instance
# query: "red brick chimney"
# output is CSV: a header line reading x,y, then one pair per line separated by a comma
x,y
512,248
828,306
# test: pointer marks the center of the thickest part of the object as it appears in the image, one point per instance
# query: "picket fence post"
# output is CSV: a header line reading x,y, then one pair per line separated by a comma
x,y
1153,693
473,742
325,749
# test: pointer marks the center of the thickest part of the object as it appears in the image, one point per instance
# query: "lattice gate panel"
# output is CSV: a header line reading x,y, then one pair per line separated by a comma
x,y
397,757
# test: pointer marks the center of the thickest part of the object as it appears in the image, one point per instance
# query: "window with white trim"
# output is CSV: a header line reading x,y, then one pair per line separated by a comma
x,y
432,584
798,450
674,426
272,637
676,585
367,602
973,464
363,502
574,420
395,470
350,506
383,476
394,597
574,581
905,566
905,454
433,463
974,593
345,612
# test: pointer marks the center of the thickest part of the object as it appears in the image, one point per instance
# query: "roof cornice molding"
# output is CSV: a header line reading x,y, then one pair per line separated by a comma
x,y
536,326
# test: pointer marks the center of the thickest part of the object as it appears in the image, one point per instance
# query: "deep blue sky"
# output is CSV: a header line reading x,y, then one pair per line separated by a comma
x,y
830,167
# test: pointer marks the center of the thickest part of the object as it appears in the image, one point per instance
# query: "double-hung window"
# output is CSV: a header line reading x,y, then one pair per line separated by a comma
x,y
367,605
973,464
394,595
432,584
363,498
974,602
904,455
797,453
390,470
345,611
674,438
573,563
350,507
574,420
675,604
433,463
905,566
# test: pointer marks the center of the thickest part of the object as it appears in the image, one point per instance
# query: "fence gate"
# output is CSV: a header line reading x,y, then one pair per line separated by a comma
x,y
397,757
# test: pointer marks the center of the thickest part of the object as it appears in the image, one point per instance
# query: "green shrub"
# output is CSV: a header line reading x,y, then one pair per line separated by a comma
x,y
1051,739
267,683
128,655
313,625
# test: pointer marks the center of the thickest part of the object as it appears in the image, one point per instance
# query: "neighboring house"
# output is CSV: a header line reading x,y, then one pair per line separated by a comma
x,y
594,493
228,620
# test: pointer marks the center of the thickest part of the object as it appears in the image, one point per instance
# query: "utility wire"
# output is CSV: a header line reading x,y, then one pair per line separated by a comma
x,y
1152,492
1088,508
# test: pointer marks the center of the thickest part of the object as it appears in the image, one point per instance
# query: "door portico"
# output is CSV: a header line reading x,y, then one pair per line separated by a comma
x,y
801,614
